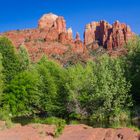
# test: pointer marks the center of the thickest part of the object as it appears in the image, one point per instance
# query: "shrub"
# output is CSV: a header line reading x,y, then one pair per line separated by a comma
x,y
59,124
6,116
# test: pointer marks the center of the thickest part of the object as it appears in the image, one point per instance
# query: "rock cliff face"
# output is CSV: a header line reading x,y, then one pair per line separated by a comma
x,y
106,35
52,38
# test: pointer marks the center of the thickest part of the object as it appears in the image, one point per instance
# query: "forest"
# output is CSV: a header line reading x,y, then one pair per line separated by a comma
x,y
105,89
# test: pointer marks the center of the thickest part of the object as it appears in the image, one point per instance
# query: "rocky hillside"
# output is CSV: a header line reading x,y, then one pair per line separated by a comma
x,y
52,38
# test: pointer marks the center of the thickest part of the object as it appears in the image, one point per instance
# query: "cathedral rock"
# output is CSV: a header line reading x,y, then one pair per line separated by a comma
x,y
106,35
53,38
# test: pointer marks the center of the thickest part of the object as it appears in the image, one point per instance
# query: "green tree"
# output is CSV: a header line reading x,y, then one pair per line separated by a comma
x,y
49,91
132,67
23,94
111,90
24,57
78,87
1,79
53,76
99,88
10,59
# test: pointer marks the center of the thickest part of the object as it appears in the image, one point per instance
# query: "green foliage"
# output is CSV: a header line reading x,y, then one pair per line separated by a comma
x,y
36,91
111,90
132,67
1,78
49,120
59,124
48,90
23,94
74,122
99,89
56,87
96,90
134,128
78,87
24,57
5,116
10,59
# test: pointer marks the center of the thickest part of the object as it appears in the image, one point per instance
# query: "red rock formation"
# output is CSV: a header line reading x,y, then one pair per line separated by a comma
x,y
71,132
77,38
60,25
52,21
79,47
70,34
47,21
52,38
108,36
63,38
53,25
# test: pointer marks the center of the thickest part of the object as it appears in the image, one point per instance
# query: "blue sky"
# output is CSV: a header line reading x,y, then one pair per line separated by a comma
x,y
20,14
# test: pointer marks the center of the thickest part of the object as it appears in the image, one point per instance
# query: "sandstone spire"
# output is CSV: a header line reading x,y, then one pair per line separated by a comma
x,y
70,34
77,38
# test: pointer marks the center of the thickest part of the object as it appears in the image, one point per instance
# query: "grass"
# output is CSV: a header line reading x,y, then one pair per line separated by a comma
x,y
59,124
134,128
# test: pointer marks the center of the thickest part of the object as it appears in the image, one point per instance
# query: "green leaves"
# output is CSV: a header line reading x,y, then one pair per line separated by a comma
x,y
24,57
10,59
1,79
99,88
132,68
23,95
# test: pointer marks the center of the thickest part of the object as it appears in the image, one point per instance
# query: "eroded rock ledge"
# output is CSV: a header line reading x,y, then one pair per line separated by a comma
x,y
71,132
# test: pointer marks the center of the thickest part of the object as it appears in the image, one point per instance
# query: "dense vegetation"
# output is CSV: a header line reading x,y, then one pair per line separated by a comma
x,y
107,88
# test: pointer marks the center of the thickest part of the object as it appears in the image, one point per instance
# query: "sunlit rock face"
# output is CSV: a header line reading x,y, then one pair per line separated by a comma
x,y
53,38
107,35
52,21
47,21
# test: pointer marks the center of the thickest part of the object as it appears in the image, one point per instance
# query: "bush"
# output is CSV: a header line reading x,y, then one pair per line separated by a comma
x,y
74,122
59,123
6,116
